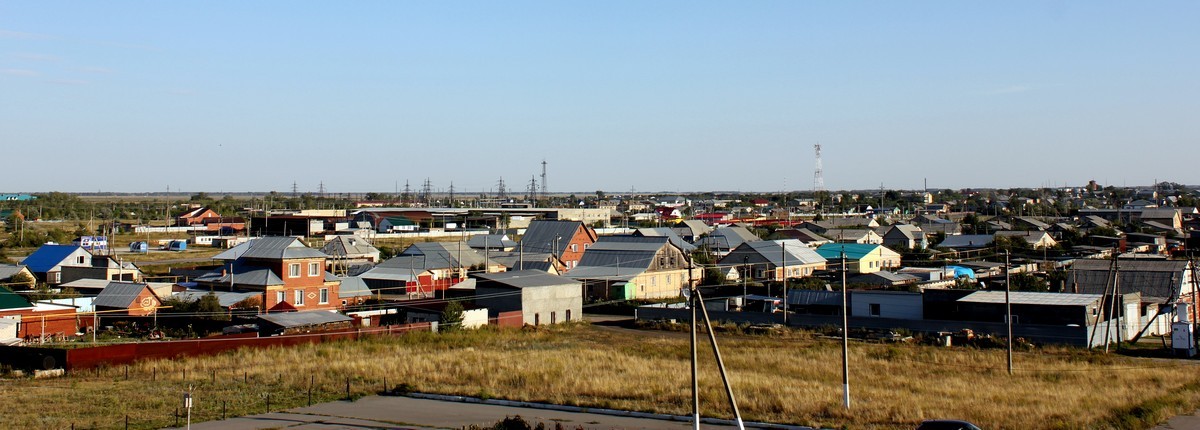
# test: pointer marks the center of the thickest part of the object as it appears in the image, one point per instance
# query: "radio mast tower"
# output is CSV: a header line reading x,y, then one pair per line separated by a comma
x,y
818,173
544,189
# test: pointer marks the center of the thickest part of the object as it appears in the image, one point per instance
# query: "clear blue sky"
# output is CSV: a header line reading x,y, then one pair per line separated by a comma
x,y
658,95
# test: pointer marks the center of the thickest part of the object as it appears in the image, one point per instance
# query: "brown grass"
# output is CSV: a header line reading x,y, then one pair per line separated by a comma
x,y
793,378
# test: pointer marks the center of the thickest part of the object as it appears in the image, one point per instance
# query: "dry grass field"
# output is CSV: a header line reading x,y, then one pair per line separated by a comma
x,y
793,378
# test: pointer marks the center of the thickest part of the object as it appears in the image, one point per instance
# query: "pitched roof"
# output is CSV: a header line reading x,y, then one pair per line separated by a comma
x,y
11,300
353,286
967,241
225,298
243,274
524,279
299,319
727,238
48,256
854,251
437,255
1157,280
619,255
493,241
779,253
119,294
512,259
549,236
271,248
348,245
10,270
670,234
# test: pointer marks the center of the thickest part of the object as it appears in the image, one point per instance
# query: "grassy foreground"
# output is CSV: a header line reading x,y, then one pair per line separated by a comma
x,y
792,378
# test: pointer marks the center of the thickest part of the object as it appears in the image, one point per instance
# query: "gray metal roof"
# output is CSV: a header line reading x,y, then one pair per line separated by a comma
x,y
243,275
548,236
523,279
439,255
8,270
815,297
492,241
513,259
967,241
298,319
727,238
619,255
119,294
1157,280
226,298
348,246
779,253
353,286
271,248
1032,298
670,234
392,274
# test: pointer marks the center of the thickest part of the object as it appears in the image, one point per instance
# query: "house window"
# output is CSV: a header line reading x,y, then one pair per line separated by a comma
x,y
294,270
80,259
574,247
324,296
279,297
314,269
299,298
874,308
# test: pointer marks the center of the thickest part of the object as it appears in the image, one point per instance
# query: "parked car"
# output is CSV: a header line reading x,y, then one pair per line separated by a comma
x,y
947,425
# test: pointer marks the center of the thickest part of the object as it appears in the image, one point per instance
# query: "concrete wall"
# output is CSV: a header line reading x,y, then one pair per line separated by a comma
x,y
552,304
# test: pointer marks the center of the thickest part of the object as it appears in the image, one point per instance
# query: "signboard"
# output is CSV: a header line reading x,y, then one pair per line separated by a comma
x,y
92,243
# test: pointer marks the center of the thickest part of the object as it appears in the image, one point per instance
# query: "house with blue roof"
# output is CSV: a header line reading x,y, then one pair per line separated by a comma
x,y
46,262
860,257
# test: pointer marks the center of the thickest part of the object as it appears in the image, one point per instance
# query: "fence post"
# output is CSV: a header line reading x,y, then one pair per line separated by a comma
x,y
268,403
154,373
126,422
245,378
385,387
347,389
185,374
222,410
126,372
176,416
312,380
214,376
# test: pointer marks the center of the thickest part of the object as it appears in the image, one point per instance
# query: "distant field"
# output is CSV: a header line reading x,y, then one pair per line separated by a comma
x,y
793,379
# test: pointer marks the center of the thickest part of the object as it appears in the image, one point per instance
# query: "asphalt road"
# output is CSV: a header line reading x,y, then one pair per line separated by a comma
x,y
378,412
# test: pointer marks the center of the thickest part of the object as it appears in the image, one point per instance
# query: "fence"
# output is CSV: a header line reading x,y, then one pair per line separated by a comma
x,y
73,359
1068,335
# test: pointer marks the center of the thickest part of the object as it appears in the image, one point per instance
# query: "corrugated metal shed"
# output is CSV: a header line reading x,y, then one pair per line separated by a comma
x,y
353,286
1032,298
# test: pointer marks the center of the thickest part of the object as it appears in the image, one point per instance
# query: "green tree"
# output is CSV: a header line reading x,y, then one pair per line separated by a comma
x,y
452,317
1028,282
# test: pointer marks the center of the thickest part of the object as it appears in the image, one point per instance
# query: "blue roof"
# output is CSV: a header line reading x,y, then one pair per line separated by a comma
x,y
960,272
48,256
854,251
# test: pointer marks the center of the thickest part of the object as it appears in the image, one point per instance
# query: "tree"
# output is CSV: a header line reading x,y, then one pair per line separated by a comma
x,y
1028,282
452,317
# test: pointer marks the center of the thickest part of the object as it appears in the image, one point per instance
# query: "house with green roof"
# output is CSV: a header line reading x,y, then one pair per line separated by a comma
x,y
860,257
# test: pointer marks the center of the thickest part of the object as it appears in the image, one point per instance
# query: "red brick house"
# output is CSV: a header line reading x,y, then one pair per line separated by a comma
x,y
35,320
127,298
566,240
287,273
196,216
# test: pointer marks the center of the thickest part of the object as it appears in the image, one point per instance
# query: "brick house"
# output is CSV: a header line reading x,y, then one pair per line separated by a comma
x,y
284,270
196,216
127,298
567,240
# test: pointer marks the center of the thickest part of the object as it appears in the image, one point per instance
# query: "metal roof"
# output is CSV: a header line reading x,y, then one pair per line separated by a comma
x,y
548,236
1032,298
493,241
727,238
523,279
11,300
1157,280
48,256
854,251
353,286
670,234
119,294
439,255
9,270
271,248
773,252
967,241
298,319
225,298
815,297
382,273
348,245
243,274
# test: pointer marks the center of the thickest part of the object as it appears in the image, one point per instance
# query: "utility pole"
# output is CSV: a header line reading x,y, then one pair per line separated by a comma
x,y
1008,311
845,338
695,374
783,275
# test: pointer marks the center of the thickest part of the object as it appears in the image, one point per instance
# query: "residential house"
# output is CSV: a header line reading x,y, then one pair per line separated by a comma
x,y
47,261
887,304
884,279
669,233
351,249
632,267
860,258
127,298
427,267
1090,311
196,216
804,235
517,260
288,274
823,226
692,229
567,240
102,267
773,260
1030,223
905,236
17,276
722,240
1036,239
967,241
844,235
1161,283
1169,217
541,298
37,320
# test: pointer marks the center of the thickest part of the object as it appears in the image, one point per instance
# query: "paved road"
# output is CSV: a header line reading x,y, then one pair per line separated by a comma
x,y
378,412
1182,422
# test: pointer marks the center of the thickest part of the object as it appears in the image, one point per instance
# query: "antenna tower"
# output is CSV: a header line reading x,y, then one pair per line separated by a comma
x,y
818,172
544,189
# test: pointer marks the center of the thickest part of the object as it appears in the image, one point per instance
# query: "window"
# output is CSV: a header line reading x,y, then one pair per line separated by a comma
x,y
299,298
314,269
537,318
279,297
568,315
324,296
553,317
79,260
294,270
874,309
574,247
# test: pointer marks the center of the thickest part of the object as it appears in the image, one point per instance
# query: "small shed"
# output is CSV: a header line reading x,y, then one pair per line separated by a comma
x,y
136,299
